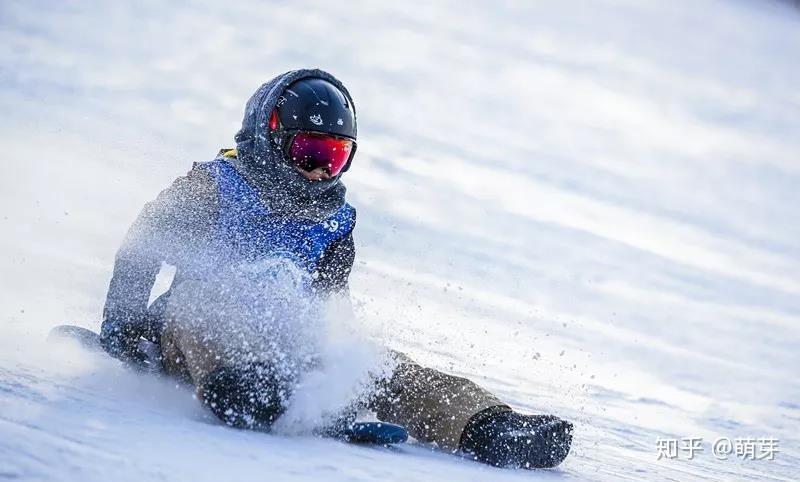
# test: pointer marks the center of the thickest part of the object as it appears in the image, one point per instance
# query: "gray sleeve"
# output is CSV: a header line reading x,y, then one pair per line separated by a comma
x,y
334,268
164,228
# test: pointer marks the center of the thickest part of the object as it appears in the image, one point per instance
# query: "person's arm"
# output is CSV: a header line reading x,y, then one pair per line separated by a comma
x,y
335,266
180,214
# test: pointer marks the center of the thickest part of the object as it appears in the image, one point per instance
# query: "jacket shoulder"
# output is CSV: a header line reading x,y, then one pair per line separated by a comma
x,y
198,184
190,200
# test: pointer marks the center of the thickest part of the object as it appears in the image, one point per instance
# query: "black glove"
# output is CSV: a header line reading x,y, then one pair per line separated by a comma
x,y
119,337
125,340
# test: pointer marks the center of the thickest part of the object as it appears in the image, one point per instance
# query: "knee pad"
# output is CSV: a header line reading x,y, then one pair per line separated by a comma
x,y
250,397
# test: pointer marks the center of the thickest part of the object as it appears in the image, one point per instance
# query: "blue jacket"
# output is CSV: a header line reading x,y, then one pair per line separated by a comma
x,y
247,231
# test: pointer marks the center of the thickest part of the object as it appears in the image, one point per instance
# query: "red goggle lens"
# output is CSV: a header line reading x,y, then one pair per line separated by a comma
x,y
311,151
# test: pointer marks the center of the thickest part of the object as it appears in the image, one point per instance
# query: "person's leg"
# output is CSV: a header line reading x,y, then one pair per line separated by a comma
x,y
459,415
185,355
432,405
248,395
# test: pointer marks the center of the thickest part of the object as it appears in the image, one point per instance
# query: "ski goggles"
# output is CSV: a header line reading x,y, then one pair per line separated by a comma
x,y
312,150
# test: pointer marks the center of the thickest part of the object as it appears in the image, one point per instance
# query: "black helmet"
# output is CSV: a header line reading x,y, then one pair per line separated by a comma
x,y
314,104
312,107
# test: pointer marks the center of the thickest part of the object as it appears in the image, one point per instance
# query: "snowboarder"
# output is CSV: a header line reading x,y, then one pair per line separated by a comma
x,y
280,190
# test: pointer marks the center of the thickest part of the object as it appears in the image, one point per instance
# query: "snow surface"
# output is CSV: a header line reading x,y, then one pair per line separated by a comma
x,y
590,208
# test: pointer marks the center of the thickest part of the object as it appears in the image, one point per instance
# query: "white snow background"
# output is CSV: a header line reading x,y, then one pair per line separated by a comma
x,y
590,208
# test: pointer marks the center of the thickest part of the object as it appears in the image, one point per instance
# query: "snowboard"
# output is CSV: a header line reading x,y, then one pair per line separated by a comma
x,y
371,433
365,433
84,336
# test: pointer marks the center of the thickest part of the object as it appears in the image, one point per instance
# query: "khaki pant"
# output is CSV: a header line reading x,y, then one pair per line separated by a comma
x,y
432,405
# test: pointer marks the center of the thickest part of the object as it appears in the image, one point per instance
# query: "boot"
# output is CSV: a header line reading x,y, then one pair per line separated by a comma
x,y
501,437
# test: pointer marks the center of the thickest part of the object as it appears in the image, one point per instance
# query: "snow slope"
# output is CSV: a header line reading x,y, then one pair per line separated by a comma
x,y
590,208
